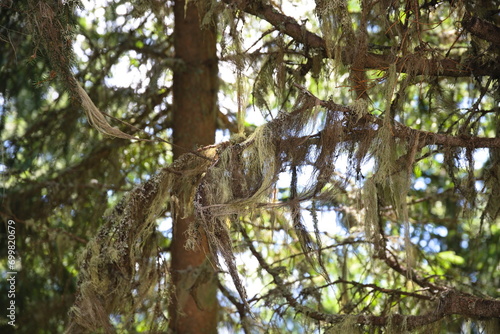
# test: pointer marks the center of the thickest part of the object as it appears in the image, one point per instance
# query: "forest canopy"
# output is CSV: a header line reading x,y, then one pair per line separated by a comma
x,y
250,166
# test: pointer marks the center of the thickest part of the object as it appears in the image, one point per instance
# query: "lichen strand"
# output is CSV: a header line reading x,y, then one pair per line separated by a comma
x,y
236,179
51,25
121,255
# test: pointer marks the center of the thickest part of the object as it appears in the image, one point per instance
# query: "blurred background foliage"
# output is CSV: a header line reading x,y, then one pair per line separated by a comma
x,y
59,175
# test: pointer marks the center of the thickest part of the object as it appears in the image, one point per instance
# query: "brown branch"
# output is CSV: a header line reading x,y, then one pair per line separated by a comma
x,y
450,302
393,263
281,22
375,287
455,302
369,124
402,131
226,122
281,286
482,29
413,63
240,307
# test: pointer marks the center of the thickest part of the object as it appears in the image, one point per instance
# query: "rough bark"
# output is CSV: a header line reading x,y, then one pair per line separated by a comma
x,y
482,29
194,305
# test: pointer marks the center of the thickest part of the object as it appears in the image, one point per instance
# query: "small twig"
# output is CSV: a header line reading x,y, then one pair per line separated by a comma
x,y
157,139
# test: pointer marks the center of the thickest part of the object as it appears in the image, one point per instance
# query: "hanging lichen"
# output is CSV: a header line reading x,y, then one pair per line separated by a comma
x,y
51,23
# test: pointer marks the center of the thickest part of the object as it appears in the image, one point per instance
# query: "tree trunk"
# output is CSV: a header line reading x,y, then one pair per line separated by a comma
x,y
194,306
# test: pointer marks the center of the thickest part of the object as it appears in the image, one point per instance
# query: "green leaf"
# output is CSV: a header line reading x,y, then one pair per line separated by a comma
x,y
450,257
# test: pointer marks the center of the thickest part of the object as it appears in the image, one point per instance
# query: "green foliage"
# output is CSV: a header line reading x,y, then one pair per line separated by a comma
x,y
369,196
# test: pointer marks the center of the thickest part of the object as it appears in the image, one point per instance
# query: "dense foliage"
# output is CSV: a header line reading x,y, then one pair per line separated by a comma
x,y
368,201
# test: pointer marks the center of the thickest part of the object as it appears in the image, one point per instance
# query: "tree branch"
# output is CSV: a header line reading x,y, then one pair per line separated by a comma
x,y
482,29
450,302
402,131
413,63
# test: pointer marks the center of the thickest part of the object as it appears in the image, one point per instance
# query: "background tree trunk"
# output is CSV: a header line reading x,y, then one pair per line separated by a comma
x,y
194,304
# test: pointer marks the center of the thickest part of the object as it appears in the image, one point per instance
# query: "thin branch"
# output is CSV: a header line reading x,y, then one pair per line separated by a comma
x,y
240,307
47,228
280,284
366,123
375,287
